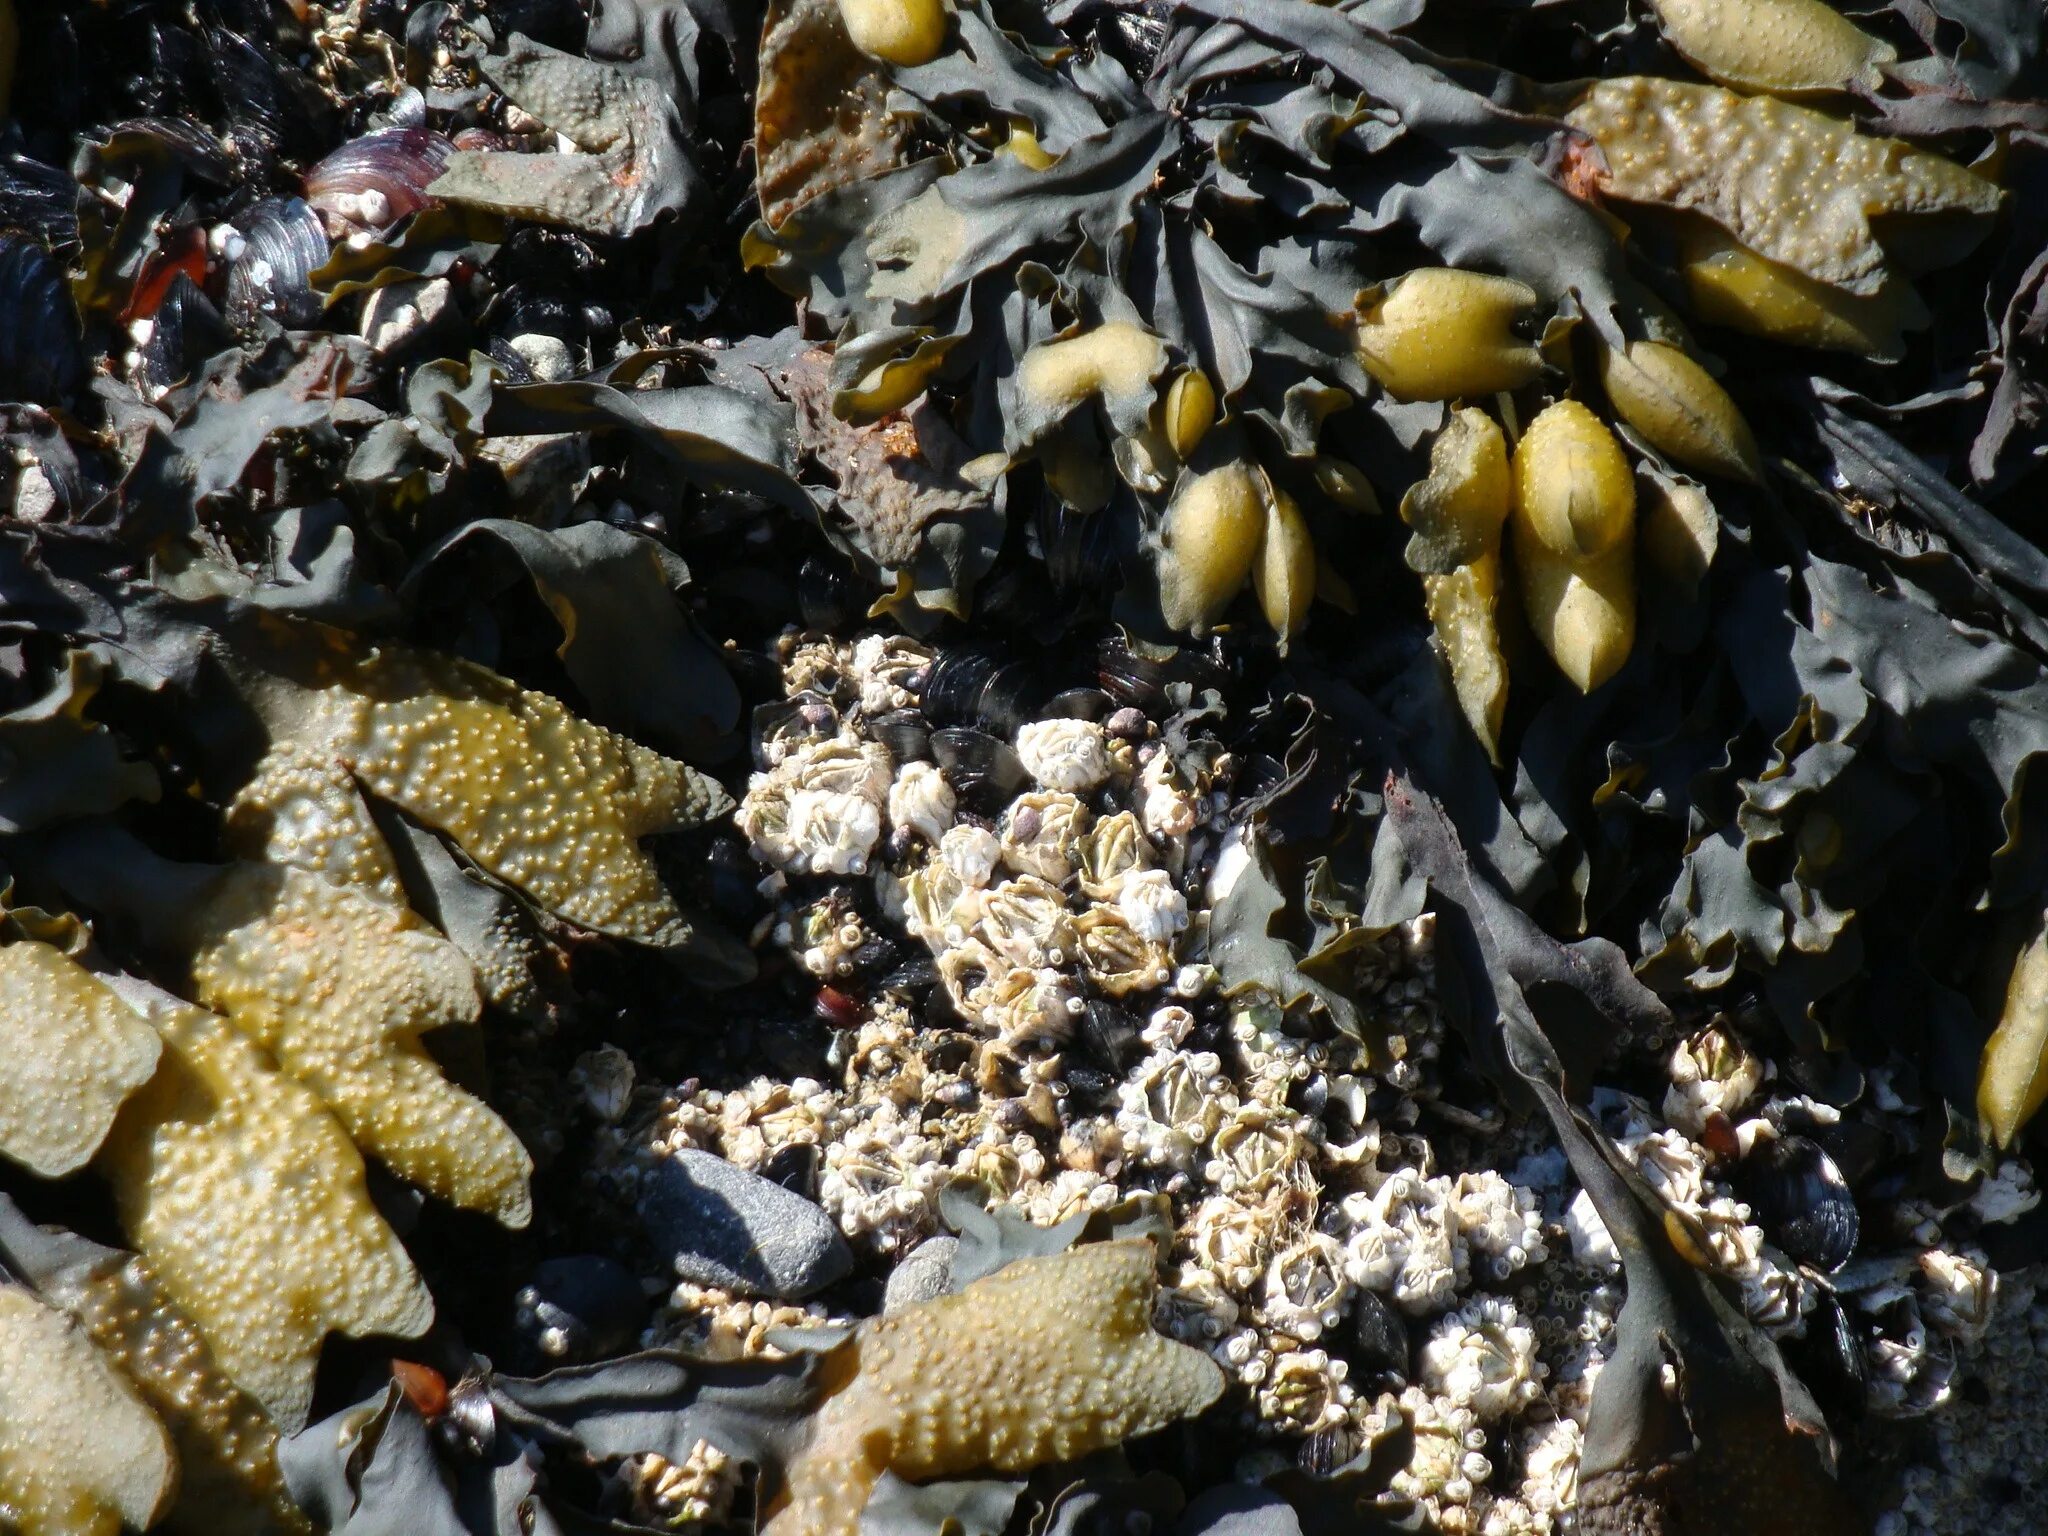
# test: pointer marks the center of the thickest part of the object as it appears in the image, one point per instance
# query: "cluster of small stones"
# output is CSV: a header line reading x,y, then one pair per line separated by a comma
x,y
1321,1204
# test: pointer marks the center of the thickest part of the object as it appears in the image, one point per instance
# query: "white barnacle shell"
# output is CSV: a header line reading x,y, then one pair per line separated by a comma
x,y
971,852
1439,1469
1483,1357
921,801
1306,1289
1118,958
1039,833
1550,1465
819,810
1403,1242
885,667
1025,921
1064,754
1233,1238
1170,1106
1910,1372
931,893
1152,905
1671,1164
1304,1391
1166,809
1713,1071
1774,1293
1257,1148
2006,1195
1959,1294
1030,1007
1592,1244
1112,849
1198,1310
831,833
1498,1222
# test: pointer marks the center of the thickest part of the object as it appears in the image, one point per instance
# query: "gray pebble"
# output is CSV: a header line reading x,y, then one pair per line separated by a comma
x,y
926,1271
723,1226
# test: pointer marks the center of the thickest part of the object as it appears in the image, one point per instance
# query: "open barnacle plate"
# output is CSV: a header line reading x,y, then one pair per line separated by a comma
x,y
1022,767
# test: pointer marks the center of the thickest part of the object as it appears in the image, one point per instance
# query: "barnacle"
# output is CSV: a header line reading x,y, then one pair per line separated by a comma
x,y
198,1160
80,1455
1679,408
1457,514
1574,524
1213,531
1438,333
898,31
1794,185
1783,46
74,1052
548,803
1730,285
1046,1359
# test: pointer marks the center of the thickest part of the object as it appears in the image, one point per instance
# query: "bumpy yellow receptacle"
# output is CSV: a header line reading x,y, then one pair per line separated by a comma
x,y
906,32
1574,529
1457,514
1574,494
1190,411
1284,572
1680,409
1789,47
1213,532
1438,333
1729,284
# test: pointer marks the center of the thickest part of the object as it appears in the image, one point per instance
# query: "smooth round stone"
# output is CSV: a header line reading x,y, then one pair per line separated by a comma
x,y
723,1226
926,1271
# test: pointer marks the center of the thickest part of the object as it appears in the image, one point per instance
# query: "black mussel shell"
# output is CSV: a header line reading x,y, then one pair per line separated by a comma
x,y
376,180
579,1309
797,1168
41,355
905,733
984,772
1078,704
1801,1200
283,244
38,200
829,595
1378,1341
916,974
1829,1358
1140,675
185,331
1111,1033
985,685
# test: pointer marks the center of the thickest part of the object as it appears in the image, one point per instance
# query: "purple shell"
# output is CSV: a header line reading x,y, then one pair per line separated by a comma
x,y
374,181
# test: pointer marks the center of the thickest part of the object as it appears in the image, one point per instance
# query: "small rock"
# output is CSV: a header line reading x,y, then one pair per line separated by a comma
x,y
926,1271
723,1226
